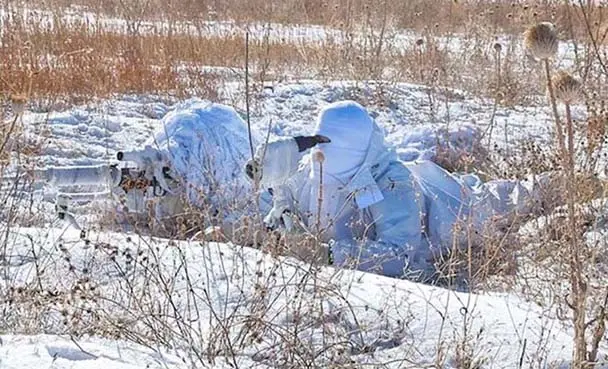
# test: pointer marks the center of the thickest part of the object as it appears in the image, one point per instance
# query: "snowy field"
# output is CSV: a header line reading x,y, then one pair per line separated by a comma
x,y
410,117
125,300
214,290
415,119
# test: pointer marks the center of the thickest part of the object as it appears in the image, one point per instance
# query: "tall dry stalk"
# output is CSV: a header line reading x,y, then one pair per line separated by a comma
x,y
567,89
497,92
247,100
542,42
319,158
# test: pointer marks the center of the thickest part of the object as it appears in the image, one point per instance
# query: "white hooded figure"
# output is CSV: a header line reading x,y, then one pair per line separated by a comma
x,y
206,145
203,146
377,214
193,164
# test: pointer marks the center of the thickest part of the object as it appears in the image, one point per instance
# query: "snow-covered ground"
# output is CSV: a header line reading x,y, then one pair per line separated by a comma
x,y
232,306
192,304
204,298
51,351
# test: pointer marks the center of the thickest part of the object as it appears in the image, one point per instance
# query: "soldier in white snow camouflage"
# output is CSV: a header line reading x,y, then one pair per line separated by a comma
x,y
377,213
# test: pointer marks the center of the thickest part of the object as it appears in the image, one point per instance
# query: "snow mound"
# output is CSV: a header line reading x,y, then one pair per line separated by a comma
x,y
424,142
50,351
272,309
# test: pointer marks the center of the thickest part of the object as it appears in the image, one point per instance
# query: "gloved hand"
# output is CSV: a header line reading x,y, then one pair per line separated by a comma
x,y
279,216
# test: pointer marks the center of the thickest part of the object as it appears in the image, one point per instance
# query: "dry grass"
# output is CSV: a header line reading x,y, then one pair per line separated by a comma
x,y
85,59
445,16
78,61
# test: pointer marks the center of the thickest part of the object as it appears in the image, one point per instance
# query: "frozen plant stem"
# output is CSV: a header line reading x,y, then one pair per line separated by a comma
x,y
320,197
570,129
599,331
247,93
541,40
579,290
9,133
497,94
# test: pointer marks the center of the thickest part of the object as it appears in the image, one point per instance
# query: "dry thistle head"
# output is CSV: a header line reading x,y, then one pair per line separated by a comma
x,y
318,156
541,40
567,88
18,102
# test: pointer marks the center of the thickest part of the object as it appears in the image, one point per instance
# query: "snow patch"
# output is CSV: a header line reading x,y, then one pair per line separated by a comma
x,y
69,353
58,352
373,318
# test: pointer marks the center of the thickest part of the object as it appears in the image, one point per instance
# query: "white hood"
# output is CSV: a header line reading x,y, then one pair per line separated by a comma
x,y
356,147
349,127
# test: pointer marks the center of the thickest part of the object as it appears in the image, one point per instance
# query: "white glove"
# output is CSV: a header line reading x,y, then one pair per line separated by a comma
x,y
278,217
280,214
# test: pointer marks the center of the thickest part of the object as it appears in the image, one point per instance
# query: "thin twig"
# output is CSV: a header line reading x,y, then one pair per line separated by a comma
x,y
570,129
247,93
320,197
10,131
592,38
558,124
81,349
523,352
599,331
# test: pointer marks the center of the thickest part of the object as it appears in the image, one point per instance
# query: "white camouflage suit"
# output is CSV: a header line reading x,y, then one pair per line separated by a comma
x,y
377,213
